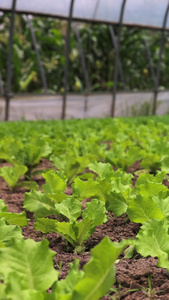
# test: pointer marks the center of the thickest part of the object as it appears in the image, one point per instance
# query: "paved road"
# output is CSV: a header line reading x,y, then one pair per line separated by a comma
x,y
50,107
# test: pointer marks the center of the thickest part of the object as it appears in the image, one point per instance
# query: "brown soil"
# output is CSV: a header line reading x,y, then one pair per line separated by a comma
x,y
130,273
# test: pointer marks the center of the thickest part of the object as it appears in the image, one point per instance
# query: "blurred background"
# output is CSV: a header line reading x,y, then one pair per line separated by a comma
x,y
105,58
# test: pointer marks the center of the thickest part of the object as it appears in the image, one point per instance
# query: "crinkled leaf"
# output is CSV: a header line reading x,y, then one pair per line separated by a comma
x,y
33,261
54,187
12,174
39,203
103,170
165,164
95,210
32,154
153,189
8,232
85,189
151,162
153,240
54,183
141,209
163,204
70,208
117,204
15,218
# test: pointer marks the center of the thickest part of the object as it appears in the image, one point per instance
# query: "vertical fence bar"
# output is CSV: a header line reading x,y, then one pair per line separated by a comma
x,y
150,60
117,59
9,62
41,69
114,42
85,73
67,48
1,86
159,62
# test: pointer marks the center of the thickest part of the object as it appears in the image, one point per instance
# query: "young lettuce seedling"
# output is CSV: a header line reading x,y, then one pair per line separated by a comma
x,y
71,164
75,231
12,174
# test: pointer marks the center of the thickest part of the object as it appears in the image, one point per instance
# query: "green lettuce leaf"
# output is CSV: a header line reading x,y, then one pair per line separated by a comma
x,y
70,208
116,203
39,203
141,209
54,187
15,218
99,271
85,189
8,232
32,261
12,174
153,240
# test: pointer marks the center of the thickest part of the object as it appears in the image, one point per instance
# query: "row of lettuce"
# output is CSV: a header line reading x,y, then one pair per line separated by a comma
x,y
72,146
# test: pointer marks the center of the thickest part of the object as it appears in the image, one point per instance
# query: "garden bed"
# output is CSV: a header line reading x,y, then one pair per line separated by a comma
x,y
87,192
136,278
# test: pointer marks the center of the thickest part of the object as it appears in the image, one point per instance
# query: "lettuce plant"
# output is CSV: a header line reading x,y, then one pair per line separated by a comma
x,y
112,187
27,272
75,230
12,174
27,154
71,164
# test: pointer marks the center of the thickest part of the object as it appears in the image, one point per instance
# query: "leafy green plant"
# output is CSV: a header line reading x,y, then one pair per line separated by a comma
x,y
43,204
27,272
75,231
110,186
8,232
71,164
123,158
26,154
12,174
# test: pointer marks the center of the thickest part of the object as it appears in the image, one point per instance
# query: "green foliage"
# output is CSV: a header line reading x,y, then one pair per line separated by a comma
x,y
8,232
76,216
55,186
27,271
12,218
71,164
12,174
39,203
32,261
99,56
143,209
74,231
153,240
99,271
